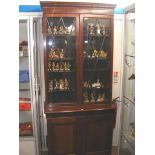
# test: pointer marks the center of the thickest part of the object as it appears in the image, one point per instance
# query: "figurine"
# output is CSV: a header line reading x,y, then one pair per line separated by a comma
x,y
102,97
53,66
103,30
103,54
49,66
51,85
98,29
61,67
62,84
61,30
95,54
62,54
67,30
55,30
57,85
68,66
49,30
91,29
85,97
57,66
93,97
66,84
85,84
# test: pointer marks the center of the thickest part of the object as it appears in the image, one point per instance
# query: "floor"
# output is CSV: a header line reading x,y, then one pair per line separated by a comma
x,y
114,152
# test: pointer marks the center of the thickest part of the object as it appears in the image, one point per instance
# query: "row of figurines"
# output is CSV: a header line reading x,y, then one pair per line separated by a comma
x,y
59,66
97,84
93,97
55,30
56,53
61,84
98,29
96,54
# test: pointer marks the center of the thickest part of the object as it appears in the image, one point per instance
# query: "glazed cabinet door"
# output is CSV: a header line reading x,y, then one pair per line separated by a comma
x,y
97,42
62,136
61,58
98,134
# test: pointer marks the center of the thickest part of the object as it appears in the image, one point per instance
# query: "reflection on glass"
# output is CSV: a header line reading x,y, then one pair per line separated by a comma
x,y
61,50
96,53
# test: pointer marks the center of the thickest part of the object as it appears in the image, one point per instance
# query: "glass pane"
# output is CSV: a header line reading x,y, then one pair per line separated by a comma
x,y
96,52
61,50
25,113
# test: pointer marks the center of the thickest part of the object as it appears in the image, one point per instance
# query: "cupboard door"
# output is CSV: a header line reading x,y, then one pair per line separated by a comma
x,y
61,58
98,134
97,58
62,136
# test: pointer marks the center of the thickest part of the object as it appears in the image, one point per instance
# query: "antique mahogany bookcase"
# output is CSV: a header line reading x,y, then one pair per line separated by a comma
x,y
78,61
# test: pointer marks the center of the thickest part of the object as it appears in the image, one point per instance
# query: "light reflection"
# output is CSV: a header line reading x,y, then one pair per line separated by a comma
x,y
50,43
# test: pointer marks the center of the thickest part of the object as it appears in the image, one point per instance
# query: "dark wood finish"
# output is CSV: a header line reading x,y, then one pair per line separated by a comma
x,y
76,127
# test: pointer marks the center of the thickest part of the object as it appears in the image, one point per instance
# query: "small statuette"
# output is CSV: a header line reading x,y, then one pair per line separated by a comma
x,y
68,66
57,66
103,32
49,66
91,29
98,29
62,84
49,30
66,84
57,85
101,97
85,97
61,67
62,53
53,66
55,30
92,97
51,85
61,30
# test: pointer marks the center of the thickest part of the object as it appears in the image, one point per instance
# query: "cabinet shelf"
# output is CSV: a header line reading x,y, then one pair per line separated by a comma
x,y
71,71
96,70
61,35
61,59
61,91
95,59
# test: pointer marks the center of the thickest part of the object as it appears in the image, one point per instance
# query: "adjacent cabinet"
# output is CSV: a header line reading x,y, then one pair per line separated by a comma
x,y
78,61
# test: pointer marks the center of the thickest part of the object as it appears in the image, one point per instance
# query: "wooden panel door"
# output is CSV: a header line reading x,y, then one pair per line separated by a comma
x,y
62,135
98,134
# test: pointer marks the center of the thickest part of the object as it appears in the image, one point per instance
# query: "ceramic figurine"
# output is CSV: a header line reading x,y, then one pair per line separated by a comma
x,y
61,30
53,66
85,84
62,54
67,30
57,86
102,97
103,30
91,29
49,66
55,30
49,30
51,85
62,84
66,84
85,97
92,97
57,66
98,29
68,66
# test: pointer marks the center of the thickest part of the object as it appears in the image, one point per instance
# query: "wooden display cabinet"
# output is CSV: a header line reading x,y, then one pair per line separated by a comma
x,y
78,65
